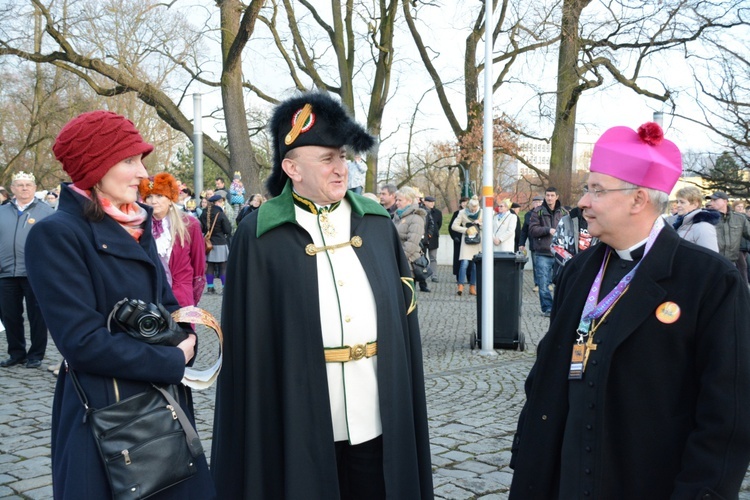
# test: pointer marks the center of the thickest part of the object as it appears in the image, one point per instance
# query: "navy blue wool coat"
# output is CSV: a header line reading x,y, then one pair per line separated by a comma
x,y
79,270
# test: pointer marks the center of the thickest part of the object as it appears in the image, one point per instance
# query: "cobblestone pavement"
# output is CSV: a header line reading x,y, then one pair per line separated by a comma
x,y
473,401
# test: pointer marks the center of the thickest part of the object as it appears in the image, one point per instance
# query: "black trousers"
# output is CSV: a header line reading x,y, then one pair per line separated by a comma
x,y
13,291
360,470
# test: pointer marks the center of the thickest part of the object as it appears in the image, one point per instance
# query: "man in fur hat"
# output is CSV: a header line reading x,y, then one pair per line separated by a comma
x,y
323,396
641,385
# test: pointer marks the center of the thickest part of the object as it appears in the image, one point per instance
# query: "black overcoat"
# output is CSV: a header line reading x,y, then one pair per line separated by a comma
x,y
273,435
79,270
665,405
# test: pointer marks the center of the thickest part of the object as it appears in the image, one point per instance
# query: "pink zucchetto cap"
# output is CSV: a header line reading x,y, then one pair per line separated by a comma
x,y
643,158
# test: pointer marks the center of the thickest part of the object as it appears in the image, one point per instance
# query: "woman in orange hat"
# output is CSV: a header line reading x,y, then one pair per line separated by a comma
x,y
178,237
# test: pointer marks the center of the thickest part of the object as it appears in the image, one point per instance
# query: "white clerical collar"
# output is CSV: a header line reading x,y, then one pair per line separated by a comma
x,y
626,254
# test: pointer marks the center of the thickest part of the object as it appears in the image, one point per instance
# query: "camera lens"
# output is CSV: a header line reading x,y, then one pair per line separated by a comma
x,y
149,326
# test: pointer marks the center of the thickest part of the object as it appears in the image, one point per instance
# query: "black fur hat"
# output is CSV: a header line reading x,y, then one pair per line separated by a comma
x,y
311,119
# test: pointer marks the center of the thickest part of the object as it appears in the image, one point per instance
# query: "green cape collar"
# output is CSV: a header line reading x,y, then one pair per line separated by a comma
x,y
280,210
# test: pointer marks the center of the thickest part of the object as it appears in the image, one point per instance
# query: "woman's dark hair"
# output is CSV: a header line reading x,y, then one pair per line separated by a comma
x,y
94,210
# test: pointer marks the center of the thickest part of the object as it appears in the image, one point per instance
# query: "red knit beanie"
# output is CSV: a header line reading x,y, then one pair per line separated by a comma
x,y
92,143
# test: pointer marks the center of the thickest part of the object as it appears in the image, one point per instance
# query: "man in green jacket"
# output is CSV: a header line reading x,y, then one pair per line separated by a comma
x,y
731,228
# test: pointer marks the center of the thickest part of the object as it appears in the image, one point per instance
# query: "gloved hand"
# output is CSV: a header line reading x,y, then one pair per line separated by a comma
x,y
174,333
148,323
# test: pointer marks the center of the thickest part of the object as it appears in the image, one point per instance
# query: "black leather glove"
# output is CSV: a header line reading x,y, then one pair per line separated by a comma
x,y
174,334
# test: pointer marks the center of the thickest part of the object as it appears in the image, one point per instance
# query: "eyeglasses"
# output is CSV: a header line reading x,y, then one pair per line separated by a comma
x,y
598,193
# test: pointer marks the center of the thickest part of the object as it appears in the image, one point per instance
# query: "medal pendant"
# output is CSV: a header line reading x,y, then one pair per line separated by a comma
x,y
325,224
576,362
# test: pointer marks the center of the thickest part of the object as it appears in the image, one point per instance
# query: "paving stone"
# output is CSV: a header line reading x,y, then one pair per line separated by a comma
x,y
455,473
476,467
8,493
473,401
452,492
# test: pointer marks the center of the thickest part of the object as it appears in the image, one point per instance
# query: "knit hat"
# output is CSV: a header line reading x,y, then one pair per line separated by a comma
x,y
312,119
643,158
162,183
92,143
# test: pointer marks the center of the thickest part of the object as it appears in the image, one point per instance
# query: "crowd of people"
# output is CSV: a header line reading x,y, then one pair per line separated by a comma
x,y
324,397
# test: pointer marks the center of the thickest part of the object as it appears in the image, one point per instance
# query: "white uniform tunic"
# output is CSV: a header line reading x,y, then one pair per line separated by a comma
x,y
348,317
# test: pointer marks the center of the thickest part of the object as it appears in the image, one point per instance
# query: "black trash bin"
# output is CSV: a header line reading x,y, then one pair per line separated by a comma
x,y
508,275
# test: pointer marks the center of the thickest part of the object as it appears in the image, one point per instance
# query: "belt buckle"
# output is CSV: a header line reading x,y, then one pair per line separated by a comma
x,y
357,351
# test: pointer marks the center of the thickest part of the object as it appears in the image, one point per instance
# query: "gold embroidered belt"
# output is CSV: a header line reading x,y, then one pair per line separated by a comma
x,y
350,353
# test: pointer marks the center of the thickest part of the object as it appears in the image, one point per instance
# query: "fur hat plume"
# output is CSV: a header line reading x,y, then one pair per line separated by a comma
x,y
311,119
162,183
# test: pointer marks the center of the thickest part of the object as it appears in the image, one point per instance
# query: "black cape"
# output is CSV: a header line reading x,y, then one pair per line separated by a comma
x,y
273,435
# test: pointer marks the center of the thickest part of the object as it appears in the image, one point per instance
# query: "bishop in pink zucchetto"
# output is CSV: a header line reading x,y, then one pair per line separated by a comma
x,y
644,158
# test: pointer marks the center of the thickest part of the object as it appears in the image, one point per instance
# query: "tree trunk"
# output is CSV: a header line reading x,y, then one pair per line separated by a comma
x,y
568,92
380,86
241,155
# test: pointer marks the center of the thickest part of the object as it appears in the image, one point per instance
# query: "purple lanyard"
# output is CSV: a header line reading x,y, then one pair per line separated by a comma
x,y
592,310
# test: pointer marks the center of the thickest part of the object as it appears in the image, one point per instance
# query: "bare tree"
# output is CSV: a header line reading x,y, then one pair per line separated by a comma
x,y
619,42
722,93
519,30
136,47
347,50
598,44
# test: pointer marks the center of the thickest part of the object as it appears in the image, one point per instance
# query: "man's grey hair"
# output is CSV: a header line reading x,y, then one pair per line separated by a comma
x,y
659,199
391,188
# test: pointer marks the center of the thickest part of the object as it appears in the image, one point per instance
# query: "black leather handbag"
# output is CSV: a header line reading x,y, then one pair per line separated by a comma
x,y
146,442
421,268
473,239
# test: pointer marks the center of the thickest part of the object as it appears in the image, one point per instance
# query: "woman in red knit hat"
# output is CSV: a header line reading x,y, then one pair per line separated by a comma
x,y
179,240
94,251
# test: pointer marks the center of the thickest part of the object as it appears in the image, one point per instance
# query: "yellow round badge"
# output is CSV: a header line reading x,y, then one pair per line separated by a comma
x,y
668,312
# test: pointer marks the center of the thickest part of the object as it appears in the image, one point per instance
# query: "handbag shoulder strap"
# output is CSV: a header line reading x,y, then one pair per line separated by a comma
x,y
193,441
79,391
211,231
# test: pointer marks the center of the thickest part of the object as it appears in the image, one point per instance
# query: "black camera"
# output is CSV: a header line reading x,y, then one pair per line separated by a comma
x,y
136,315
